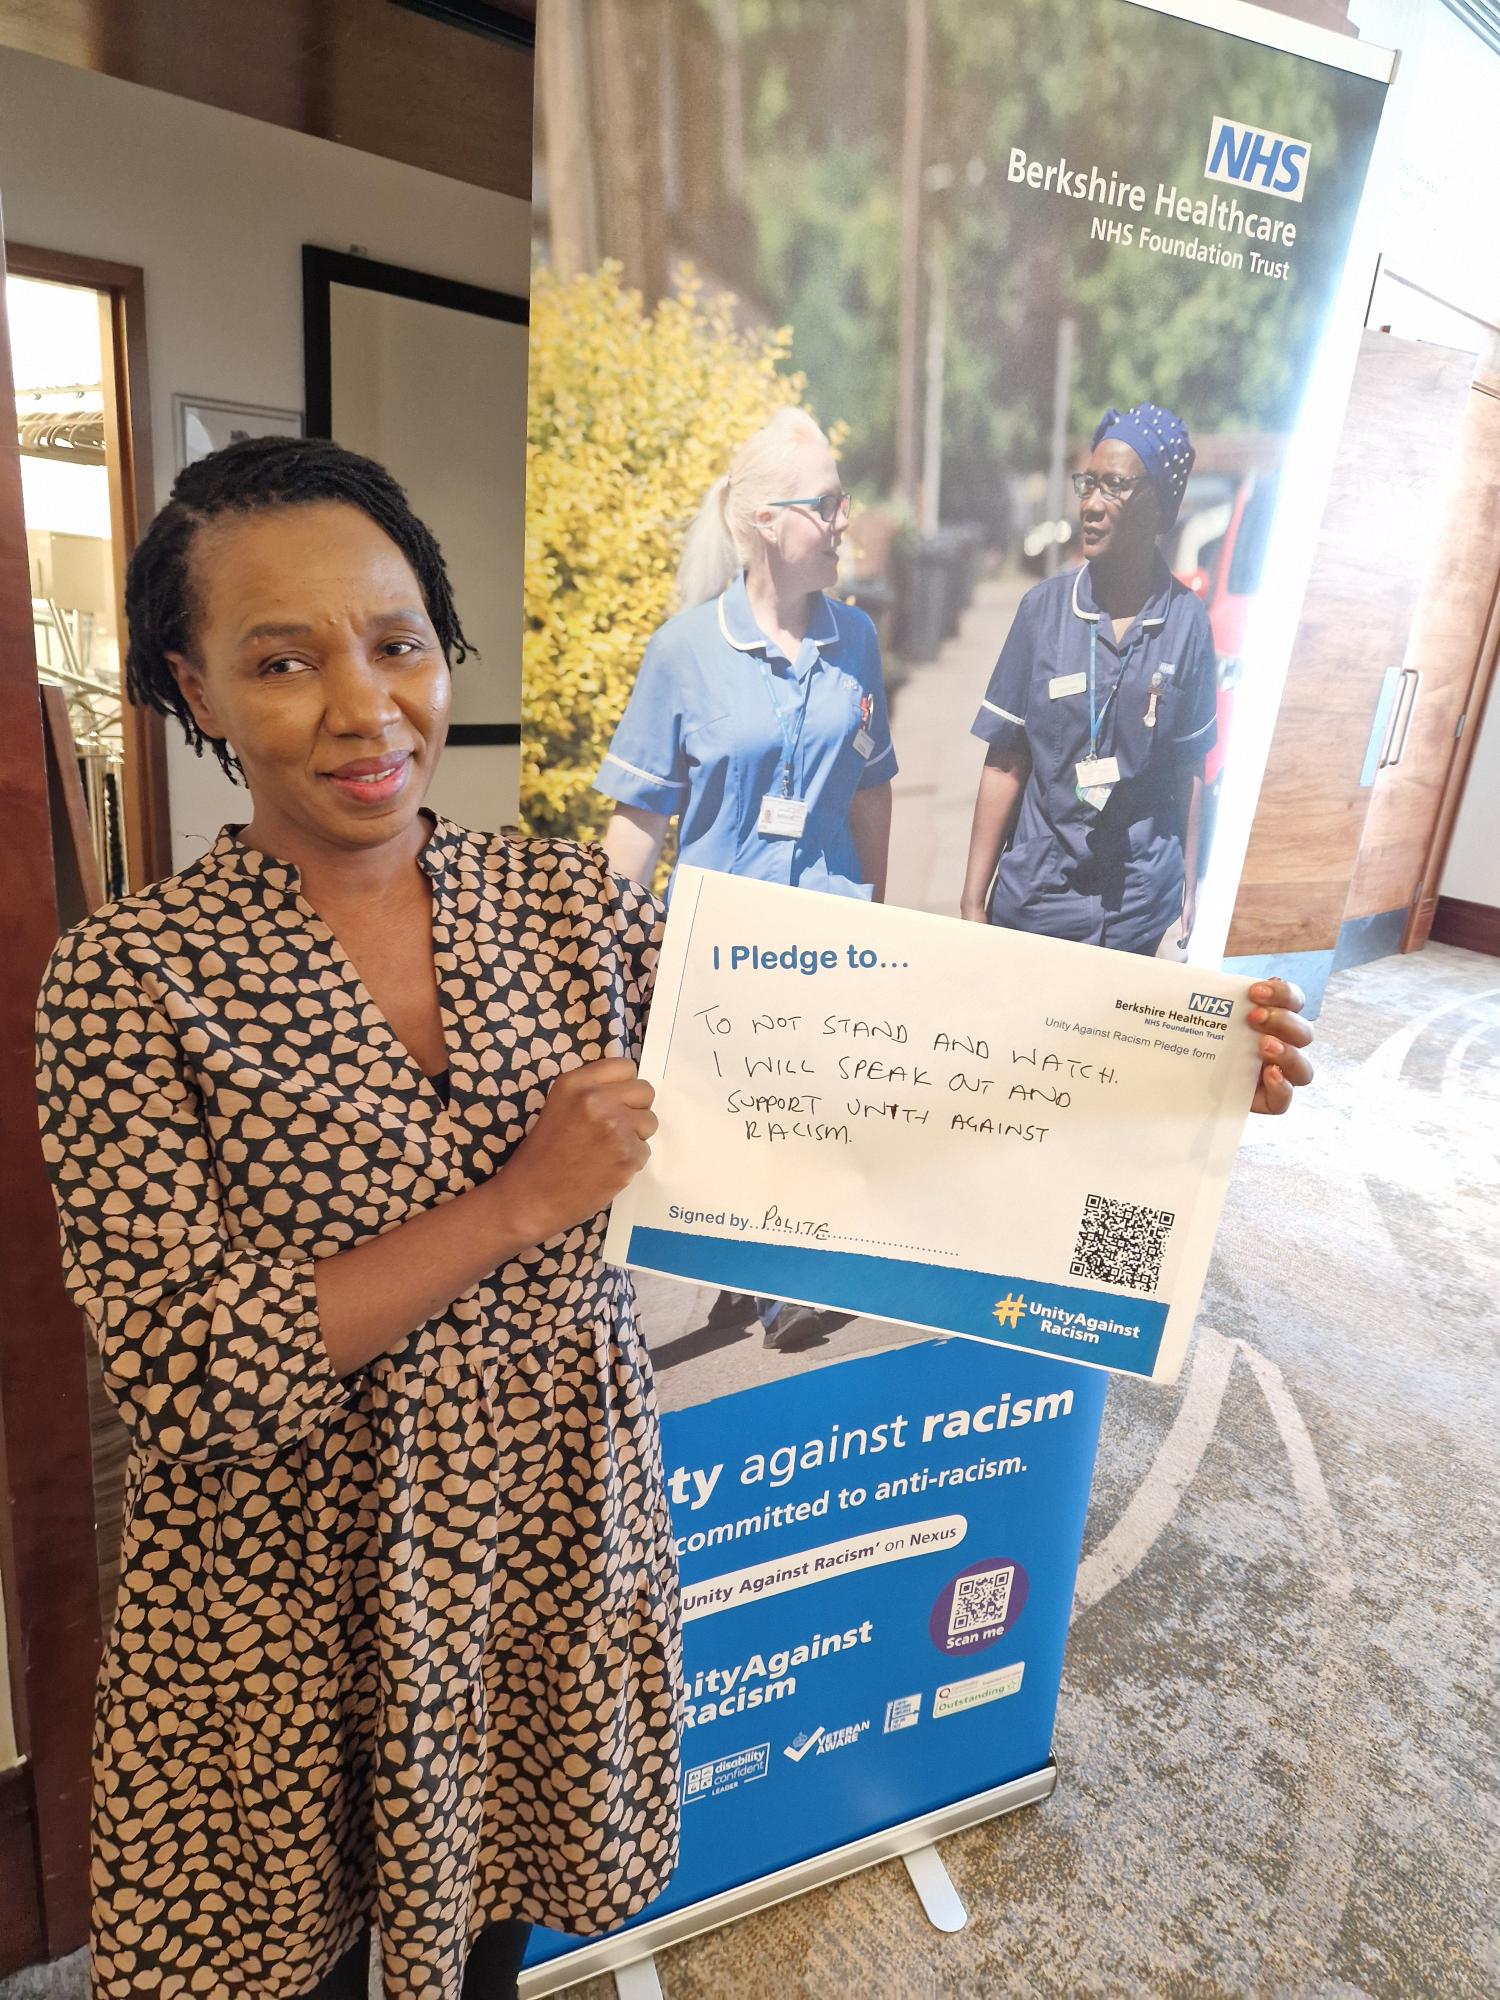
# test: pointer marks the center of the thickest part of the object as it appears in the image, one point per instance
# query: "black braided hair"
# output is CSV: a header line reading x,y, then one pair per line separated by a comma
x,y
248,477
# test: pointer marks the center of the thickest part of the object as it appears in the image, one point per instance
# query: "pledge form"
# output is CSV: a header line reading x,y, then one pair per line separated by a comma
x,y
967,1129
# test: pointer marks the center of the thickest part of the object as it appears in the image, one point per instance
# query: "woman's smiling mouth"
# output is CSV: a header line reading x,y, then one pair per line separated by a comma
x,y
372,779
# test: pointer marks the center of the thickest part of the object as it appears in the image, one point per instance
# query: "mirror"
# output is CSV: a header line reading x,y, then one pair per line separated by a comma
x,y
429,377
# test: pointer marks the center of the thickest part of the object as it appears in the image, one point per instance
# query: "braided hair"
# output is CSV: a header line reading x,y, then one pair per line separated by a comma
x,y
249,477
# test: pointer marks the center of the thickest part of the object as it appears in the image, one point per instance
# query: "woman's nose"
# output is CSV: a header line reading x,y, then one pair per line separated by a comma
x,y
359,701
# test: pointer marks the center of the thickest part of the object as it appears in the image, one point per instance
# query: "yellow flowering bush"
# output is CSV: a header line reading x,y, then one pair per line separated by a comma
x,y
631,417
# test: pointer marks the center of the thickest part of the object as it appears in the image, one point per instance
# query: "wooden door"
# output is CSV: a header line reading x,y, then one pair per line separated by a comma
x,y
47,1555
1442,662
1391,478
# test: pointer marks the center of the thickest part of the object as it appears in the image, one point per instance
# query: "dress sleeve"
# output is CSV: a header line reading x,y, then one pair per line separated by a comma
x,y
1198,710
646,764
1002,712
636,917
209,1351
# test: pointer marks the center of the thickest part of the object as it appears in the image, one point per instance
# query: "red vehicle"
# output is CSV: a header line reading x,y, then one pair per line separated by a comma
x,y
1219,552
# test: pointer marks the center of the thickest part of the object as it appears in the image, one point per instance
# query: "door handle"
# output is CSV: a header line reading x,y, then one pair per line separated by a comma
x,y
1393,726
1411,708
1393,721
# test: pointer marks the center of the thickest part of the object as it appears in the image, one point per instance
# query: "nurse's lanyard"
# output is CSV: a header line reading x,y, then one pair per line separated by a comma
x,y
782,816
1098,776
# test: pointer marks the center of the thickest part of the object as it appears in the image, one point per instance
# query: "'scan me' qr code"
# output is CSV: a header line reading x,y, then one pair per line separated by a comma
x,y
1120,1243
981,1601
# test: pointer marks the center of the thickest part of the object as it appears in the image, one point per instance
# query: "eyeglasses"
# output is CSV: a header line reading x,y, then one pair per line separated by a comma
x,y
1113,485
829,507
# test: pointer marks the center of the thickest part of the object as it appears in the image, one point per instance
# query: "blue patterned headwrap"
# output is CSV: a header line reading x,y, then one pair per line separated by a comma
x,y
1160,441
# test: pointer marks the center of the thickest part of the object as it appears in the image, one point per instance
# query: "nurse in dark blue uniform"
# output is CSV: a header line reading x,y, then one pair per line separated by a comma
x,y
1098,716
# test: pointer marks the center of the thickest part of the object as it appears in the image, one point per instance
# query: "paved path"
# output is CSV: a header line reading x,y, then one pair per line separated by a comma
x,y
933,803
933,798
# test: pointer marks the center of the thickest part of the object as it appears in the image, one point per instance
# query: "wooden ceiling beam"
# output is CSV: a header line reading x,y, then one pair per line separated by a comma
x,y
362,73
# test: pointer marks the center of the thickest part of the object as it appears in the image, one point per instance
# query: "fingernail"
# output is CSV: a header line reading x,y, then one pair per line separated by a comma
x,y
1260,991
1271,1047
1273,1075
1257,1015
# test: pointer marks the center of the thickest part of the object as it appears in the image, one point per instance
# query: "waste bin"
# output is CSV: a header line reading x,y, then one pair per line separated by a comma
x,y
923,603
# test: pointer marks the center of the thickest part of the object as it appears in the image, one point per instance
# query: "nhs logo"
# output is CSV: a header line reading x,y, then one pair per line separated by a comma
x,y
1246,157
1214,1005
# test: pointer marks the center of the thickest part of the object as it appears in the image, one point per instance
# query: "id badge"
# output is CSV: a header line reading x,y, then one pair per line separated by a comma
x,y
864,743
781,819
1097,778
1097,771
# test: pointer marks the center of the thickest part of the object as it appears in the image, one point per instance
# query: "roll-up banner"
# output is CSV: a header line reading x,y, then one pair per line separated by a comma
x,y
1070,290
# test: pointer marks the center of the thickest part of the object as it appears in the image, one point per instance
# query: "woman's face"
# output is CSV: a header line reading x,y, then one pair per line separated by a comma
x,y
315,659
804,548
1118,530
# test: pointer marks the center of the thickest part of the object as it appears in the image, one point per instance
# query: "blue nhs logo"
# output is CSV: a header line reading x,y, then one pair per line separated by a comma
x,y
1246,157
1212,1004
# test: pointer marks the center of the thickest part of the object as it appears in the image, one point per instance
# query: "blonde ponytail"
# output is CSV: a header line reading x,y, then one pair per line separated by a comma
x,y
709,559
719,542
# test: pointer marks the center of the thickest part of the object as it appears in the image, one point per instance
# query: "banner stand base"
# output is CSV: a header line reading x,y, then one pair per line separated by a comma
x,y
638,1981
631,1950
935,1890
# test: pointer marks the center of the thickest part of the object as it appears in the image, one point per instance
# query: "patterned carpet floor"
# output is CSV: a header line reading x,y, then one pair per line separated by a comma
x,y
1277,1728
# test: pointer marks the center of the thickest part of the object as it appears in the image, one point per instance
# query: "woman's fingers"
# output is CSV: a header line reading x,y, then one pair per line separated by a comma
x,y
1273,1094
1279,993
1276,1015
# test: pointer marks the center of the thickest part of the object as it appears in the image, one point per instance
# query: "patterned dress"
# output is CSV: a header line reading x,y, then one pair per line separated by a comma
x,y
400,1647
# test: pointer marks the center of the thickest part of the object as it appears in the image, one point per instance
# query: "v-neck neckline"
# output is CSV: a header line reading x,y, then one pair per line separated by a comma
x,y
286,876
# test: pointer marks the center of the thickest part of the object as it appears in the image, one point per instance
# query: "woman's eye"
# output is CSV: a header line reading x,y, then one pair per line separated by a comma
x,y
279,669
402,648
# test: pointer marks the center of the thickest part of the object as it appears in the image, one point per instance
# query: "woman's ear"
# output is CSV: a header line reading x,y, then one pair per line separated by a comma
x,y
765,525
189,679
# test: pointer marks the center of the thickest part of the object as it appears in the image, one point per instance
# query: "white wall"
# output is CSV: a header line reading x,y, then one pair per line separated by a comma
x,y
1441,226
215,208
440,397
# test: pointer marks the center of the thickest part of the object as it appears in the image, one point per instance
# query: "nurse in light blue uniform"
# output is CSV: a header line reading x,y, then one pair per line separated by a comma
x,y
1098,717
758,719
768,747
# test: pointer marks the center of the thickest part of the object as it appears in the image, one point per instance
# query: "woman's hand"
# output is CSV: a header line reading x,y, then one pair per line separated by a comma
x,y
974,910
589,1141
1276,1015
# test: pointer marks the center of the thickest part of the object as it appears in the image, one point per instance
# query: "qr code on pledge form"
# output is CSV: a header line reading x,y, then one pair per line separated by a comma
x,y
1121,1244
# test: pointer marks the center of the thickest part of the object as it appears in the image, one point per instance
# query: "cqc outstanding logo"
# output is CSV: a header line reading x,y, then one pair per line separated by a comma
x,y
1266,162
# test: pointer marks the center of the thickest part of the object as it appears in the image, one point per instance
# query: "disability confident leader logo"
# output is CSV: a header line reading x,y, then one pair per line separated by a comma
x,y
1265,162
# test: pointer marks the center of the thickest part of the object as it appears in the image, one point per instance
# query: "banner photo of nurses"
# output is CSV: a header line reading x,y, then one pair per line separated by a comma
x,y
919,395
915,393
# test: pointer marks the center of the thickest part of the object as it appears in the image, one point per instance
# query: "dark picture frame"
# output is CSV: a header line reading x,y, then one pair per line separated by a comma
x,y
323,269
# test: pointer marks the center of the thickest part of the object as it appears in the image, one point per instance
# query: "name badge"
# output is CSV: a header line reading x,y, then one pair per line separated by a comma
x,y
1098,771
1067,684
781,819
1097,778
864,742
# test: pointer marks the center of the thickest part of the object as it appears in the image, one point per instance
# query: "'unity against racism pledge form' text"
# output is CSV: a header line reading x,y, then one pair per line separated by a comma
x,y
962,1128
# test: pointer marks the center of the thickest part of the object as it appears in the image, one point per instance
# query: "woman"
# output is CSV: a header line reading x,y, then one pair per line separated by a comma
x,y
758,719
1098,716
332,1117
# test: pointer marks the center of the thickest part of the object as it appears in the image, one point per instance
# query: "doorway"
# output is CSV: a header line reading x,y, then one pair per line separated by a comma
x,y
78,357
